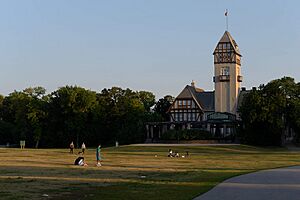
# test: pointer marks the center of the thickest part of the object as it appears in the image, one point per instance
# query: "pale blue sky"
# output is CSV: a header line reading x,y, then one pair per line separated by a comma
x,y
153,45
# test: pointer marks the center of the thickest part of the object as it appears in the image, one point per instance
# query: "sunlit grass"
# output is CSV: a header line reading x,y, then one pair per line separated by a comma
x,y
130,172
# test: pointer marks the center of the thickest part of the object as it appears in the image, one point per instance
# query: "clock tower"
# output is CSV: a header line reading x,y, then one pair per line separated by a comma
x,y
227,74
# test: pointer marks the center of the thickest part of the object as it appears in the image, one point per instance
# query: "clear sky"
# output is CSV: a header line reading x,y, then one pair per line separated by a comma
x,y
154,45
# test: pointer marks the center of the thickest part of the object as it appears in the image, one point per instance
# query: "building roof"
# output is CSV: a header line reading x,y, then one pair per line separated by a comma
x,y
227,38
205,100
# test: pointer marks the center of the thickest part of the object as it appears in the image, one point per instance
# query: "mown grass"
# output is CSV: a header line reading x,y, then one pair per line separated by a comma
x,y
130,172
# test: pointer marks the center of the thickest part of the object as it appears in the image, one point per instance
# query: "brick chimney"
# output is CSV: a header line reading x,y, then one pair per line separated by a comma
x,y
193,84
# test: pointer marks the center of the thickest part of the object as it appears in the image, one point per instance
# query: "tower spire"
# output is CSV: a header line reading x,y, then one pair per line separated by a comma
x,y
226,17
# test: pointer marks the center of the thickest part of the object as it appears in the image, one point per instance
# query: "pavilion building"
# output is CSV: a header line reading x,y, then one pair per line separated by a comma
x,y
214,111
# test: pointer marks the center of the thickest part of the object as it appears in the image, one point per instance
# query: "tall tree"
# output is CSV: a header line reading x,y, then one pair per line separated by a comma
x,y
162,107
69,110
26,111
36,111
266,113
147,98
125,119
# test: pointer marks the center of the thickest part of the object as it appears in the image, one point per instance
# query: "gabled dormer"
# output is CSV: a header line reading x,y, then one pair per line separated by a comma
x,y
185,107
191,104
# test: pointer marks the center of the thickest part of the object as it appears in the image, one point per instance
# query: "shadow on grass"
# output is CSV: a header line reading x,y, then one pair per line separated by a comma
x,y
139,185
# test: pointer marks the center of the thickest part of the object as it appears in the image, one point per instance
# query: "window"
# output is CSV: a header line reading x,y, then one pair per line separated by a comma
x,y
221,47
189,103
179,103
225,71
180,117
176,117
184,103
192,116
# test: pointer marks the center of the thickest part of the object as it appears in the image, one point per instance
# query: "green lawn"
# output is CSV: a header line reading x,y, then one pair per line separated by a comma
x,y
130,172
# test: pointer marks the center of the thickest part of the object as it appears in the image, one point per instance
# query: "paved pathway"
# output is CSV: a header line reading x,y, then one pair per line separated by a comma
x,y
275,184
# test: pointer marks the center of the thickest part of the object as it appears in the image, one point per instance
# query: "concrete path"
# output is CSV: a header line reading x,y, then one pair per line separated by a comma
x,y
275,184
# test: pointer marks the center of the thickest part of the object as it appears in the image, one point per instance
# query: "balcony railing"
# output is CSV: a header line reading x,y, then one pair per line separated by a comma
x,y
240,78
223,78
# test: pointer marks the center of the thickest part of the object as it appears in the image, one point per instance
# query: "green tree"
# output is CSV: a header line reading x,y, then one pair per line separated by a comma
x,y
69,108
25,110
73,113
162,107
36,111
147,98
123,114
7,131
267,112
15,112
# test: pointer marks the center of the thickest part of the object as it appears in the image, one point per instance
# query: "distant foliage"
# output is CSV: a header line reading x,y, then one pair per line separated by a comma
x,y
269,110
162,107
76,114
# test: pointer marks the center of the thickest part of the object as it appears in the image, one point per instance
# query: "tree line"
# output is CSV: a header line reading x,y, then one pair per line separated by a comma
x,y
271,112
76,114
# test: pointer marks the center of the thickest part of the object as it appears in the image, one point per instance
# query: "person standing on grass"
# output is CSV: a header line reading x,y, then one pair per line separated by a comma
x,y
82,148
71,147
98,155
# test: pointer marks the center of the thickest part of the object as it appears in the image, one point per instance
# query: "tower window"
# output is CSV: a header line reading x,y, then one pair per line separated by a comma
x,y
225,71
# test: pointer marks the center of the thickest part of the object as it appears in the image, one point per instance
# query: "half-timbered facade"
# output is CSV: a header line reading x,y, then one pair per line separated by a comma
x,y
192,105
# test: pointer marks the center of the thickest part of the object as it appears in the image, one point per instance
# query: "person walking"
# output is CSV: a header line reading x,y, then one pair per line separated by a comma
x,y
71,147
83,148
98,155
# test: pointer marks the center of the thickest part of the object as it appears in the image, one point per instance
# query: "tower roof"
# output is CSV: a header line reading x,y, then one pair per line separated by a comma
x,y
227,38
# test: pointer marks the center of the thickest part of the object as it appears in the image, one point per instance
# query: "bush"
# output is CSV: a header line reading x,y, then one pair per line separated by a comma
x,y
261,134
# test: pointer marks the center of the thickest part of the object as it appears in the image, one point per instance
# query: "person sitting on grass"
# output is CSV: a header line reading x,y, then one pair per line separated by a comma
x,y
170,153
80,161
